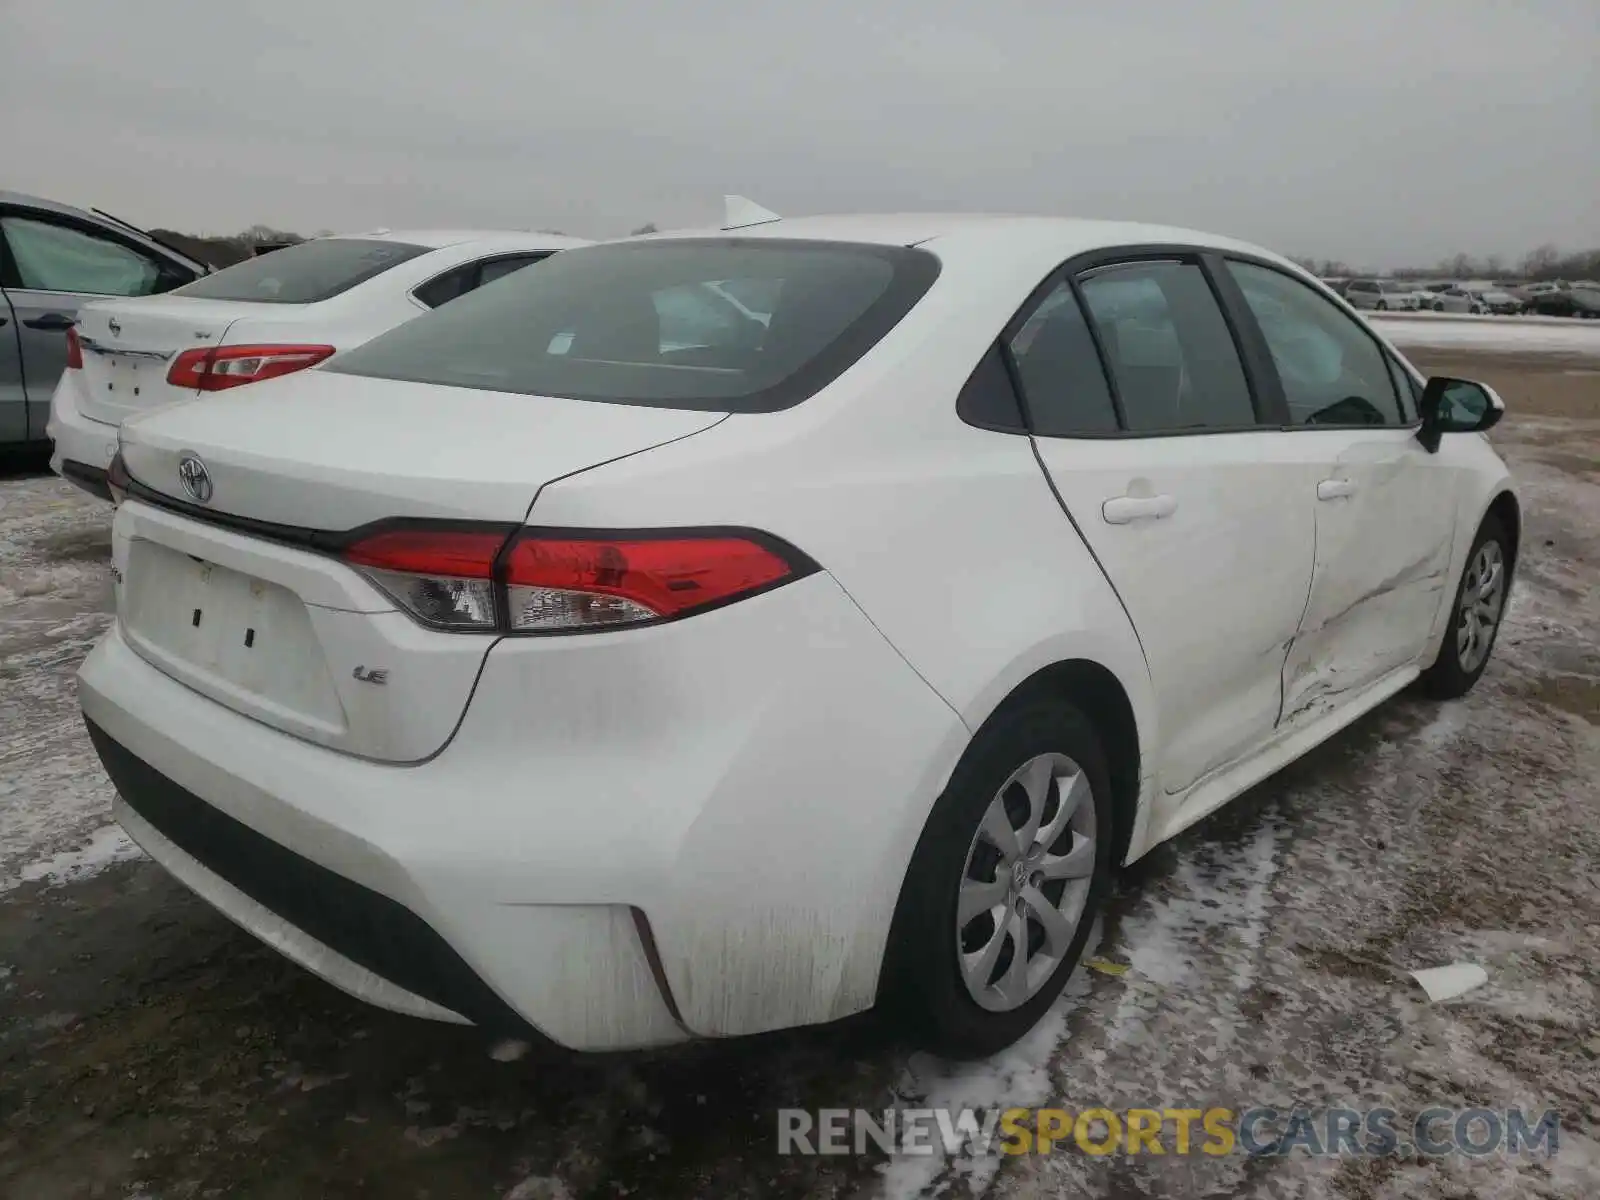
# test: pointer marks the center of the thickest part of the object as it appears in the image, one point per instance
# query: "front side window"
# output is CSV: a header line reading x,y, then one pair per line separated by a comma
x,y
305,273
1409,391
50,257
1170,350
1333,371
639,323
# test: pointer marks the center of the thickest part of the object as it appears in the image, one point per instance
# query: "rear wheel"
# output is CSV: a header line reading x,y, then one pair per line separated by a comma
x,y
1005,882
1383,305
1475,620
1438,306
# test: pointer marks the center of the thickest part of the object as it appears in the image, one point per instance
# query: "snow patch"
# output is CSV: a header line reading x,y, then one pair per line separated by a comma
x,y
1017,1077
106,846
1493,333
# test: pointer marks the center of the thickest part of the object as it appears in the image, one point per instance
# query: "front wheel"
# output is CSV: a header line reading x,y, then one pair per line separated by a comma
x,y
1479,607
1437,306
1383,306
1005,882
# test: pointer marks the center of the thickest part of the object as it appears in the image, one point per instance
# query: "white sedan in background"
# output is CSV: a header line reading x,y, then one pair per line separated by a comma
x,y
267,316
1457,300
539,667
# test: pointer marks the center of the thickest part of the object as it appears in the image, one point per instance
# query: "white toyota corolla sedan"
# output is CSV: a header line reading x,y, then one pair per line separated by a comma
x,y
533,667
257,320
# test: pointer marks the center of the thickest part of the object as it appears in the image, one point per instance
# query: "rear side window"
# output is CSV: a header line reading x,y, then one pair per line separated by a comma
x,y
658,323
304,274
1171,353
499,268
1062,380
442,289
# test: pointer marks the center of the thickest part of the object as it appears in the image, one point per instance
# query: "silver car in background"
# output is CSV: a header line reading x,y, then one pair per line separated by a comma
x,y
1457,300
53,260
1382,295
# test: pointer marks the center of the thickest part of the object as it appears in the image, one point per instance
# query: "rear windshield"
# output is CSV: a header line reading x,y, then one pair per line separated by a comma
x,y
714,324
303,274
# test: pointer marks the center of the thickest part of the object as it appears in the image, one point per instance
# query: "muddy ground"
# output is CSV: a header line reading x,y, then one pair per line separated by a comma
x,y
149,1049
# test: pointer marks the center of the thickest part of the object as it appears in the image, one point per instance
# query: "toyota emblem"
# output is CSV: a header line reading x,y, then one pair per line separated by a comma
x,y
195,478
116,330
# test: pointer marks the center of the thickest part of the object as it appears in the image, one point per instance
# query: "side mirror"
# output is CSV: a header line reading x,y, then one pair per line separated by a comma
x,y
1457,406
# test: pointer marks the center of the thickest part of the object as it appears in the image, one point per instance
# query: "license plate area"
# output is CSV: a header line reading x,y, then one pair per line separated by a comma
x,y
245,641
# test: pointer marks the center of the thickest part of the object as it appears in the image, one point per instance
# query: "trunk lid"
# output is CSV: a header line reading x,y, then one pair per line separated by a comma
x,y
129,345
323,450
299,640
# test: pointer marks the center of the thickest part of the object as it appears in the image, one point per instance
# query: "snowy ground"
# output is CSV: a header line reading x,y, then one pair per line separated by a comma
x,y
1546,335
147,1048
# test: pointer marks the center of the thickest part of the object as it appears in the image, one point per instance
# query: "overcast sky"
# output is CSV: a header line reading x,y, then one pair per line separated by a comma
x,y
1381,132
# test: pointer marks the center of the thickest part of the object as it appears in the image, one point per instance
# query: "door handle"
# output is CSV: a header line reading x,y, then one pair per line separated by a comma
x,y
53,322
1335,489
1122,510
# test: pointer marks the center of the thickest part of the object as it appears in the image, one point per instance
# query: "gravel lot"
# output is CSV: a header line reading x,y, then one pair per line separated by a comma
x,y
148,1048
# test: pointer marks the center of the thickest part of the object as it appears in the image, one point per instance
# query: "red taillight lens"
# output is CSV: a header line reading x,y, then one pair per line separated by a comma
x,y
216,368
564,581
558,581
74,350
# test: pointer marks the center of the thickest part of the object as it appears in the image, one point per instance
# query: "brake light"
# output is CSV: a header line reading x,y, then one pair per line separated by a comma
x,y
74,350
563,581
525,581
214,368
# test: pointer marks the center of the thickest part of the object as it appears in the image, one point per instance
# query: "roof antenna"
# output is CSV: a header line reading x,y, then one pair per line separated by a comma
x,y
737,213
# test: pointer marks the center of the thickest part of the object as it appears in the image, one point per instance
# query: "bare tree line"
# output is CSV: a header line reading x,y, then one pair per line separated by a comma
x,y
1544,262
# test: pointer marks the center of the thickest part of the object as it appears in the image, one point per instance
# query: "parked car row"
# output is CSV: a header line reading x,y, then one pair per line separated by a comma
x,y
560,659
1576,301
1561,298
1404,296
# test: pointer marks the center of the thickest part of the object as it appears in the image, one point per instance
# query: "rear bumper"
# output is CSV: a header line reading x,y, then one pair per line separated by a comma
x,y
90,479
360,940
693,830
83,448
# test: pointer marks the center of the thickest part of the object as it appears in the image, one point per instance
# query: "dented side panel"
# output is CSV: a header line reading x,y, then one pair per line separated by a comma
x,y
1383,558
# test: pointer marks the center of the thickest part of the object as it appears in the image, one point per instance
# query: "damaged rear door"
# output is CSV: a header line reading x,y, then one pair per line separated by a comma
x,y
1199,514
1385,507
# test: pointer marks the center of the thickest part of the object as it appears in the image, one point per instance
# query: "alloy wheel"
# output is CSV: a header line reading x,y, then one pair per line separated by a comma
x,y
1482,598
1026,882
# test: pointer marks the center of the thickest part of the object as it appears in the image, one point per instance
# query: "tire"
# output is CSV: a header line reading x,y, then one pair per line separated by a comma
x,y
1382,306
924,979
1462,659
1437,306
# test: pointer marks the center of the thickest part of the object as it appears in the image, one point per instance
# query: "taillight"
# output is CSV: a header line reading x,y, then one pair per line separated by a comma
x,y
74,350
215,368
444,577
563,580
529,581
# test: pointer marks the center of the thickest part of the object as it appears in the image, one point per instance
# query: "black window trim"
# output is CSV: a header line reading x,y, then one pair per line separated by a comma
x,y
11,275
1266,396
1339,304
477,265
